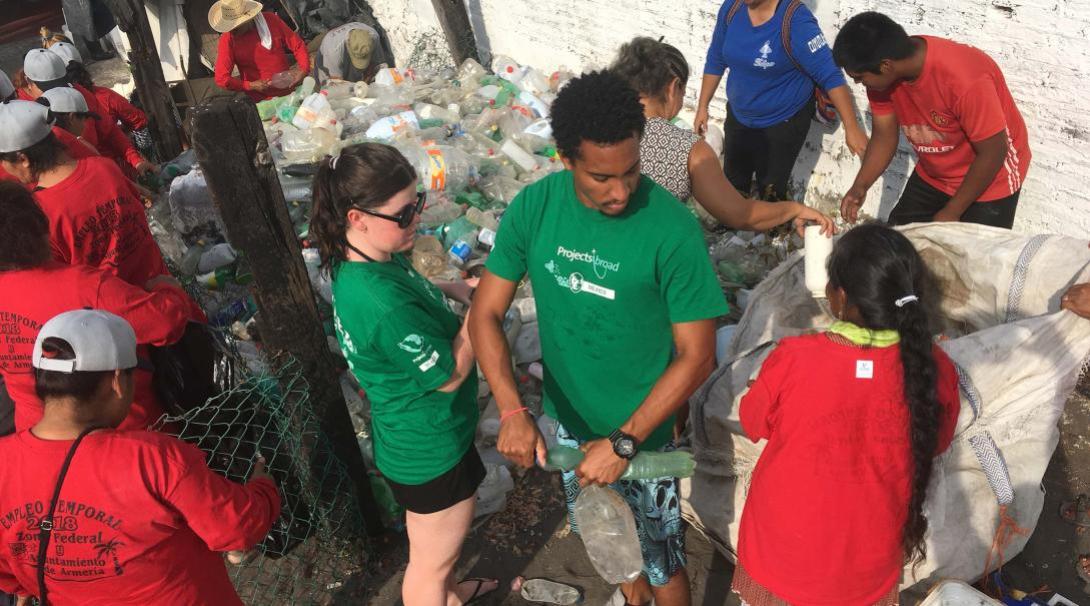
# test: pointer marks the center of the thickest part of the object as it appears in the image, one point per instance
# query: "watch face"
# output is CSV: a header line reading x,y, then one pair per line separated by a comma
x,y
625,447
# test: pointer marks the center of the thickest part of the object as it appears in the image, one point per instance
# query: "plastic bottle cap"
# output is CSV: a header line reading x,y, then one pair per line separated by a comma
x,y
510,69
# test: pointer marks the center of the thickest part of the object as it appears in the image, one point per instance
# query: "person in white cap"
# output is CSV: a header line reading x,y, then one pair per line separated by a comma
x,y
256,43
158,310
69,109
7,89
125,517
75,147
45,70
350,52
118,109
95,215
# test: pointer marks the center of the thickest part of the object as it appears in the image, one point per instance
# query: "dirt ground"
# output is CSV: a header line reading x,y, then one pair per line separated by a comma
x,y
529,539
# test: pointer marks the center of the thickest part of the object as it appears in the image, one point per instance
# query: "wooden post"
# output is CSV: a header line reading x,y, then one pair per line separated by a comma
x,y
459,31
234,156
147,74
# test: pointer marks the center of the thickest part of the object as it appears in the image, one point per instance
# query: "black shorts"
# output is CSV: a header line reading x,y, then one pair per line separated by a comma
x,y
767,153
449,489
920,201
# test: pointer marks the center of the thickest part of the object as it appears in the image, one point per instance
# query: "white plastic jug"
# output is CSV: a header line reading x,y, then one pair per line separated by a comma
x,y
309,111
387,127
818,247
506,68
519,156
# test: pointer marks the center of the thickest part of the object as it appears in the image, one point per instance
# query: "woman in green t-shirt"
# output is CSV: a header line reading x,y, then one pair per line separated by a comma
x,y
410,353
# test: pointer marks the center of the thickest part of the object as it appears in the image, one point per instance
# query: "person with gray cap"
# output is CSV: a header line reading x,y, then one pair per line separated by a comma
x,y
118,109
46,70
95,215
350,52
69,109
7,89
94,515
158,310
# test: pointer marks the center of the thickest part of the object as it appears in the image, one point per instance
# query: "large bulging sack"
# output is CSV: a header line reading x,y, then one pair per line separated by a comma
x,y
1019,360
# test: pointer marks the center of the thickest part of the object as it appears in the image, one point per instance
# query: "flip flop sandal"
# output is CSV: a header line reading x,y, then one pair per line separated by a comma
x,y
1077,512
477,591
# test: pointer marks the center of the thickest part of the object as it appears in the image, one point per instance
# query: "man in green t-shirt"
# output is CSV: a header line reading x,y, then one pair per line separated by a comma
x,y
626,299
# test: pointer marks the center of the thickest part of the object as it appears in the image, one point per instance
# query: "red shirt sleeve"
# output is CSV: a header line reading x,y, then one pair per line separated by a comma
x,y
111,141
225,66
759,406
292,41
881,102
227,516
949,393
119,108
158,317
77,148
979,110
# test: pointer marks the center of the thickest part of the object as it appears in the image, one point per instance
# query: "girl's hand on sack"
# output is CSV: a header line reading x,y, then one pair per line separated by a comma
x,y
810,215
520,441
700,122
1077,300
600,464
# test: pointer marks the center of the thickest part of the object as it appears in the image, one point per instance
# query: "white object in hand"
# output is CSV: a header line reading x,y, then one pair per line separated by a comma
x,y
818,247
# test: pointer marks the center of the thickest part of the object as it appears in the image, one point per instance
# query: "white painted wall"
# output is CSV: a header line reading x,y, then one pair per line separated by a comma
x,y
1043,46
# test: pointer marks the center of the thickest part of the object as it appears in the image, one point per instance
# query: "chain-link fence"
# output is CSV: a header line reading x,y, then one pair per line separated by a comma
x,y
313,548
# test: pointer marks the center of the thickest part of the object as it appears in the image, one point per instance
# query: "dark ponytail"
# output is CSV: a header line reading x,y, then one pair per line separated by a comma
x,y
362,176
77,74
649,66
885,278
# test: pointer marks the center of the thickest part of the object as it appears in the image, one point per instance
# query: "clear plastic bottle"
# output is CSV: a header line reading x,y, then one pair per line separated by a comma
x,y
385,128
216,257
483,219
282,80
313,106
608,530
441,167
507,68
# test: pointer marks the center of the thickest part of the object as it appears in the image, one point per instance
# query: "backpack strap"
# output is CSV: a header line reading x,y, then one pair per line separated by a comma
x,y
785,32
45,526
733,11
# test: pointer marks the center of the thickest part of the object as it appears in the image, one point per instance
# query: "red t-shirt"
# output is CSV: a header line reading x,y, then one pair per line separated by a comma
x,y
139,521
118,108
105,135
96,218
824,514
158,318
256,62
959,98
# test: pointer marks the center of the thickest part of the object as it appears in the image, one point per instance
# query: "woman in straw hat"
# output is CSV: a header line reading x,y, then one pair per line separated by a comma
x,y
256,43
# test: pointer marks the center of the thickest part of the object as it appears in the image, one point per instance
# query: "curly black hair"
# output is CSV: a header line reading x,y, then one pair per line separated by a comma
x,y
597,106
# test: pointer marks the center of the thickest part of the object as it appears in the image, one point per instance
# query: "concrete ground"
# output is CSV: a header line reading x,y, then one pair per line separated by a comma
x,y
529,539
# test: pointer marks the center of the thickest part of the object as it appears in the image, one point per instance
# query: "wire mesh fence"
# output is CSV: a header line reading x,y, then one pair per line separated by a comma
x,y
314,546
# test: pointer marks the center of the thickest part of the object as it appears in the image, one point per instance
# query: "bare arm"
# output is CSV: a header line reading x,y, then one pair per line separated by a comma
x,y
708,86
880,152
716,194
694,362
990,154
519,439
854,135
464,361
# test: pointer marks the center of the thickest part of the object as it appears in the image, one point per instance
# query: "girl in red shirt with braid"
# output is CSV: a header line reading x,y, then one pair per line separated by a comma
x,y
853,418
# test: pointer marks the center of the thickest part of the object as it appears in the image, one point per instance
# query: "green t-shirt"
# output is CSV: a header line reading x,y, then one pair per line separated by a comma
x,y
607,291
395,330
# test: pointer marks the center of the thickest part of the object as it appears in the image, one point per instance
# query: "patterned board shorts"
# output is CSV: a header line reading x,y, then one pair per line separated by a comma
x,y
656,505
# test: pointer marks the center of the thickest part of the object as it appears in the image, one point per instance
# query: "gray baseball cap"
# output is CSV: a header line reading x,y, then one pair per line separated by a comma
x,y
66,100
66,51
102,342
6,87
40,66
22,124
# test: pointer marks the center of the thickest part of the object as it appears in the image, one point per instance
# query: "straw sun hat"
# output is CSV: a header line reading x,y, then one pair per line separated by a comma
x,y
226,15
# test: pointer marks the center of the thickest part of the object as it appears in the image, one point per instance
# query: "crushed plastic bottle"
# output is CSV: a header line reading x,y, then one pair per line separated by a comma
x,y
282,80
544,591
644,466
492,493
608,530
216,257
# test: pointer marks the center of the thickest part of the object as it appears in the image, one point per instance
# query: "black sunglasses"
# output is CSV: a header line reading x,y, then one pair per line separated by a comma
x,y
404,218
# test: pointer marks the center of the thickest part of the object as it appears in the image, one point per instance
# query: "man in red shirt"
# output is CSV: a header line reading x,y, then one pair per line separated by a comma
x,y
952,103
45,70
138,517
256,43
158,311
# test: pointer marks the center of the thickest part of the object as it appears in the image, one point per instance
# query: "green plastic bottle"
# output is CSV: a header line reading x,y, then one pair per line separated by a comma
x,y
644,466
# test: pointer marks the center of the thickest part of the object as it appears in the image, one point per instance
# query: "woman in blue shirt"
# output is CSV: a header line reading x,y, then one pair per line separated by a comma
x,y
770,99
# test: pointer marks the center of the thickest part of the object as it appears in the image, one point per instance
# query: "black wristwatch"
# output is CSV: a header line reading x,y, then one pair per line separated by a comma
x,y
624,445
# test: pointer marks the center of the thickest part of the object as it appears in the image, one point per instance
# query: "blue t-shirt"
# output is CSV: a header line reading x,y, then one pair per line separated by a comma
x,y
764,87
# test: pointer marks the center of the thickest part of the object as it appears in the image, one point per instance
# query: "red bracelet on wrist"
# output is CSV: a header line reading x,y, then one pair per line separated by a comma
x,y
512,413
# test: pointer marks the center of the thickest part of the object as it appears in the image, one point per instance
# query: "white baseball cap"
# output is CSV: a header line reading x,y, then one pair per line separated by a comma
x,y
22,124
6,87
66,100
66,51
101,341
40,66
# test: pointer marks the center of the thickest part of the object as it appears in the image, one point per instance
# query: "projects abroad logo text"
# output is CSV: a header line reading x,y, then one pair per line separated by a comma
x,y
601,266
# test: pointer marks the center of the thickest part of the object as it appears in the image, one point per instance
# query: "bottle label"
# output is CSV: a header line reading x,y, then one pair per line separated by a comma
x,y
438,170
